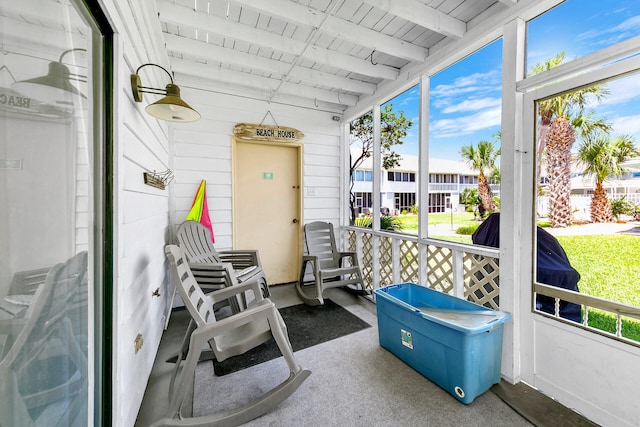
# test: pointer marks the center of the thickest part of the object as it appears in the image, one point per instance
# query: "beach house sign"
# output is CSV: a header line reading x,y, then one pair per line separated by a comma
x,y
267,133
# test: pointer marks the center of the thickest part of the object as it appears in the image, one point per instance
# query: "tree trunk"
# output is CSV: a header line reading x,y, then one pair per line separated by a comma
x,y
560,138
486,196
600,207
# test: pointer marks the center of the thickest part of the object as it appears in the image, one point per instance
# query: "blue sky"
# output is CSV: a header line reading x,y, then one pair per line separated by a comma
x,y
465,98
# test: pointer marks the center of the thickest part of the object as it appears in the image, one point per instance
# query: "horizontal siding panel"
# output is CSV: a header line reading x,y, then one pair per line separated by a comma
x,y
137,206
194,177
202,164
326,171
208,150
213,190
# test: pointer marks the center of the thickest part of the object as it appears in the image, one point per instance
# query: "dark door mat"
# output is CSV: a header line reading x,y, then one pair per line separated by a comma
x,y
538,409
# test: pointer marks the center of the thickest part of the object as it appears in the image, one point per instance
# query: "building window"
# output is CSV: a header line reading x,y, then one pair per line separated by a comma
x,y
438,202
401,176
362,176
404,201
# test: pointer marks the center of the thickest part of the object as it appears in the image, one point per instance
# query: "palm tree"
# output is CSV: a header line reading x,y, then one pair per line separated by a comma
x,y
560,118
601,156
482,159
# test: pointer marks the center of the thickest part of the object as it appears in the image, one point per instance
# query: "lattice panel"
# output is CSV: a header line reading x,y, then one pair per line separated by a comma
x,y
386,261
482,280
367,260
409,265
440,275
352,241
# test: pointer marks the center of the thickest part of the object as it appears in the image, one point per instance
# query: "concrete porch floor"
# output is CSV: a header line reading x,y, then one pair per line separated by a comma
x,y
531,405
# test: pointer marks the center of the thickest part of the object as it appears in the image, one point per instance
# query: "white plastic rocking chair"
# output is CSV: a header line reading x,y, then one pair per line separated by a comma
x,y
228,337
208,265
329,269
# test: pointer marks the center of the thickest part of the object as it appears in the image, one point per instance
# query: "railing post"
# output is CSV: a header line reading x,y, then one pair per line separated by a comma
x,y
395,260
457,258
423,264
375,259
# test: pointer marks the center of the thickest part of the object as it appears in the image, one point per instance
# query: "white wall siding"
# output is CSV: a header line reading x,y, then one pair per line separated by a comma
x,y
141,212
202,150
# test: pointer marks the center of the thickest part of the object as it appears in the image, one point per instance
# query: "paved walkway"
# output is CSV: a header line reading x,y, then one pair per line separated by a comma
x,y
597,229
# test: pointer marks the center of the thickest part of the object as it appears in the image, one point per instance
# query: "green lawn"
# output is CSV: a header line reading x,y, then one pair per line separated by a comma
x,y
609,265
609,268
410,222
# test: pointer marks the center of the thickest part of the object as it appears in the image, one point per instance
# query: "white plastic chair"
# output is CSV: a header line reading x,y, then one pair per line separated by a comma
x,y
328,266
227,337
208,265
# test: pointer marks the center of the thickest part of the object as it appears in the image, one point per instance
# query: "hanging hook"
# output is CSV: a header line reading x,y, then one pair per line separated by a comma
x,y
272,118
370,57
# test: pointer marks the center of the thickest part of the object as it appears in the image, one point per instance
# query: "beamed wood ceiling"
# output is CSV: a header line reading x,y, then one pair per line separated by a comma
x,y
323,53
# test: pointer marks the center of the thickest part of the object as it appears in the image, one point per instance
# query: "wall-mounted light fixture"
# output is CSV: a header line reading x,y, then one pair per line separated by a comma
x,y
55,88
171,107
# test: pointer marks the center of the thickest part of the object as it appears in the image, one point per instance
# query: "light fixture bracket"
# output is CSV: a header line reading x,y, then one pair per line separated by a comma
x,y
135,87
171,107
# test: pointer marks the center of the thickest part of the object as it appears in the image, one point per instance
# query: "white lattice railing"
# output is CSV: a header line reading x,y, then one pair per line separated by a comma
x,y
465,271
612,319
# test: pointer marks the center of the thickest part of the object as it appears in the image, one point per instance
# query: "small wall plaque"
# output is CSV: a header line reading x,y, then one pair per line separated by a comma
x,y
267,133
15,164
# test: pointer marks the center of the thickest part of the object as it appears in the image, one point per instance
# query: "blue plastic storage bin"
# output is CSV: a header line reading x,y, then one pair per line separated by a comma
x,y
455,343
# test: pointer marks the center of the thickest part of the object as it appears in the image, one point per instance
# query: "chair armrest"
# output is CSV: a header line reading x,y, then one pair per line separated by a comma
x,y
352,255
226,293
211,330
241,258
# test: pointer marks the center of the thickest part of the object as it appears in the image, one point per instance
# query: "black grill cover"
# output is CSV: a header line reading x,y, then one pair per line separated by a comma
x,y
553,265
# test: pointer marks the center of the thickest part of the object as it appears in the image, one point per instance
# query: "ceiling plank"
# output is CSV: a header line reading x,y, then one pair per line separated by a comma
x,y
207,85
183,16
310,77
339,27
205,71
508,2
423,15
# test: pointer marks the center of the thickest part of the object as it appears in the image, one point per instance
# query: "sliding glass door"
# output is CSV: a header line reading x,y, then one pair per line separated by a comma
x,y
52,148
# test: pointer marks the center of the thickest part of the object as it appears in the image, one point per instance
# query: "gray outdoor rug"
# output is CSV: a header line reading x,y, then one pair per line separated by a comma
x,y
307,326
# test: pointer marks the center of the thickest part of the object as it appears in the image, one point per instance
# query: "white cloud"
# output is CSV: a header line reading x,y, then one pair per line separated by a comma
x,y
473,105
473,85
628,125
465,125
622,90
611,35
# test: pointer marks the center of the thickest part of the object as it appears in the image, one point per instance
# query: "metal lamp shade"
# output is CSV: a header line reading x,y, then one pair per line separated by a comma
x,y
172,108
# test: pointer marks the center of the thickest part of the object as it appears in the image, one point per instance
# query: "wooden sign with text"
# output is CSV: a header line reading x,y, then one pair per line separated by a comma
x,y
267,133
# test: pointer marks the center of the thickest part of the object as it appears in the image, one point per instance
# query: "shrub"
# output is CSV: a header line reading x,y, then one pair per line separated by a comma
x,y
414,209
620,207
467,229
387,222
390,222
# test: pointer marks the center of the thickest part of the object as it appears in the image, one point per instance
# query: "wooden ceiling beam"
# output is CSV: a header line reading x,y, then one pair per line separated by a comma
x,y
309,76
338,27
234,77
423,15
183,16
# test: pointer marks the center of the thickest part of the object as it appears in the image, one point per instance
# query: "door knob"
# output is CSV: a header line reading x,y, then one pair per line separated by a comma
x,y
295,220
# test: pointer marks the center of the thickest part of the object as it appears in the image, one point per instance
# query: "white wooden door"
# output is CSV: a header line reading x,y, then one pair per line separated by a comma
x,y
267,205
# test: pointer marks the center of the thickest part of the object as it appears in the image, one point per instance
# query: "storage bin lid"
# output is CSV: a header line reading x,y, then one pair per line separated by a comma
x,y
447,310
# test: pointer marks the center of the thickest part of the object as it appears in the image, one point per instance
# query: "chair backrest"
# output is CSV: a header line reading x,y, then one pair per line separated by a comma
x,y
199,306
195,240
49,305
321,242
